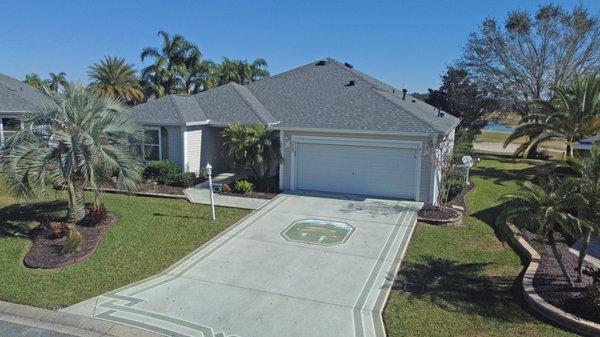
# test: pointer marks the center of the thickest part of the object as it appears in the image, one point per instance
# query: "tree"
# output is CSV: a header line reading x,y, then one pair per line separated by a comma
x,y
253,147
461,97
584,177
197,73
34,80
540,208
572,114
57,80
163,77
521,60
80,139
113,77
241,72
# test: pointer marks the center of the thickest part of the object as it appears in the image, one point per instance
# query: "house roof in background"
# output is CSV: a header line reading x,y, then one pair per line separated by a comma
x,y
325,94
586,144
16,96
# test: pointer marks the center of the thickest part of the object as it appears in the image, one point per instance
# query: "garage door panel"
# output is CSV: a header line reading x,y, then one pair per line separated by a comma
x,y
369,170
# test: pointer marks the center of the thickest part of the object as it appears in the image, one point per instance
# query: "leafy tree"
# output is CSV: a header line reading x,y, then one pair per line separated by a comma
x,y
572,114
79,139
253,147
163,77
34,80
57,80
113,77
584,177
524,58
461,97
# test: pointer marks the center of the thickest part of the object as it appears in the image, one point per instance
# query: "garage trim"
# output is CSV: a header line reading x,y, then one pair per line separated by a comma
x,y
365,142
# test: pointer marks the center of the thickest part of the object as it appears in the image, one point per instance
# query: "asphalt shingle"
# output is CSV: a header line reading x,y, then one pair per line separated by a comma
x,y
16,96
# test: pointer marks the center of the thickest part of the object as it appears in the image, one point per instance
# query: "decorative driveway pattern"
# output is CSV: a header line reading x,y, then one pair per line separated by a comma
x,y
252,282
318,232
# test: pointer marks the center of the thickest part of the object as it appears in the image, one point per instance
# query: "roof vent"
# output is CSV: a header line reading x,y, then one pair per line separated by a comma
x,y
321,63
414,101
404,91
348,65
351,83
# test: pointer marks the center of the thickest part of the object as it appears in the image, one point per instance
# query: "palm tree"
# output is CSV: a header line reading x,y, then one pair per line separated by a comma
x,y
164,75
253,147
198,74
113,77
571,115
34,80
540,209
229,71
79,139
259,69
57,80
584,175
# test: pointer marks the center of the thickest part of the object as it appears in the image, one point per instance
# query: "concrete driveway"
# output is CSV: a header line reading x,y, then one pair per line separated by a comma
x,y
302,265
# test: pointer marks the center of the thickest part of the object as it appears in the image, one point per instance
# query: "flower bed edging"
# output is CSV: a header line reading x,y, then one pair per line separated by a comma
x,y
536,302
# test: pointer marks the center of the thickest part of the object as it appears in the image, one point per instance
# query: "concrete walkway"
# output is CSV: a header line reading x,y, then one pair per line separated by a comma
x,y
200,194
302,265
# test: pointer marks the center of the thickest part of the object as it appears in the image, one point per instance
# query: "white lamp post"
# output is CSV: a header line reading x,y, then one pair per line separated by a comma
x,y
468,163
212,197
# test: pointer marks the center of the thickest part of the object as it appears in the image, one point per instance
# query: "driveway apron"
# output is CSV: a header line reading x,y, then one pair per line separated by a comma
x,y
301,265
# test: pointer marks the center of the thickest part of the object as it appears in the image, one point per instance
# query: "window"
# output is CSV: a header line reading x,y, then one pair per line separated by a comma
x,y
150,149
8,127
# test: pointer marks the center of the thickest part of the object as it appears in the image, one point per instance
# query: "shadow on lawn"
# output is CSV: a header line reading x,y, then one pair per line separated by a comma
x,y
463,288
16,219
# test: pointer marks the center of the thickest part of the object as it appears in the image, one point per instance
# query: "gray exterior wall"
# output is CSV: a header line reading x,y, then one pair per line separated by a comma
x,y
427,176
211,149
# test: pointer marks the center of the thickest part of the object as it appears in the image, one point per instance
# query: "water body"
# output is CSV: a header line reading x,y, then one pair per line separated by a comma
x,y
497,127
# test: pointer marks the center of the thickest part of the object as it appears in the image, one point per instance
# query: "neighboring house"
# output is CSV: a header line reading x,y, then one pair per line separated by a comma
x,y
340,130
584,146
16,98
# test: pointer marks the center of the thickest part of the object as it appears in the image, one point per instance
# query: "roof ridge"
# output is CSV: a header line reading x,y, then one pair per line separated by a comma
x,y
384,94
254,103
177,111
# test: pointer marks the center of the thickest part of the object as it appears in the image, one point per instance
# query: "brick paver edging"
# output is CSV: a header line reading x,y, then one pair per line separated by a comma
x,y
67,323
536,302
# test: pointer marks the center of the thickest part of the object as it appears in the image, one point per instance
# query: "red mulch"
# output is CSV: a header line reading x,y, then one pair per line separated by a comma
x,y
253,194
550,281
46,251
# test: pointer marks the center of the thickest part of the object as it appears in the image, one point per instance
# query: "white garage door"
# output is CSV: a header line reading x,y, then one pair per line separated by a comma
x,y
369,168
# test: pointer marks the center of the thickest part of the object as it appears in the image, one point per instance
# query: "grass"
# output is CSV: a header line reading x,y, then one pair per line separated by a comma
x,y
471,276
500,137
150,235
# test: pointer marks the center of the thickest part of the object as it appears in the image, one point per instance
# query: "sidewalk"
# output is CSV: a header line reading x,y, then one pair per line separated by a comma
x,y
22,320
200,194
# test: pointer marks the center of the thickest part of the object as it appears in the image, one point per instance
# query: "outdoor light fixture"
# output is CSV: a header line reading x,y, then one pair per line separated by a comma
x,y
210,187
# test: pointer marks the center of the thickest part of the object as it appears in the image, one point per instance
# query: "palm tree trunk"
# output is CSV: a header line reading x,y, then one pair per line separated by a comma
x,y
587,235
569,150
77,208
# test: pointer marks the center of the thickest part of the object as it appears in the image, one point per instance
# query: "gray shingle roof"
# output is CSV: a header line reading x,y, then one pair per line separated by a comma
x,y
16,96
311,96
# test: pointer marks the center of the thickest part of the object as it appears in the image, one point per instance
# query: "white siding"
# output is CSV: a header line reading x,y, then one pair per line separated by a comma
x,y
193,148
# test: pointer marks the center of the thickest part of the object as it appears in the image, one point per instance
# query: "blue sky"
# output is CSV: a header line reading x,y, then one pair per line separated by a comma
x,y
405,43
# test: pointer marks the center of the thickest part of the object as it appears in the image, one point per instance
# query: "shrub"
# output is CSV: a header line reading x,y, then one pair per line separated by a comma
x,y
185,179
162,171
226,188
57,229
591,298
96,214
455,182
244,186
72,242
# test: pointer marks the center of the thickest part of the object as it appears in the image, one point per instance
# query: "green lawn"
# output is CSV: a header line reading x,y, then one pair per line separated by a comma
x,y
470,274
496,137
150,235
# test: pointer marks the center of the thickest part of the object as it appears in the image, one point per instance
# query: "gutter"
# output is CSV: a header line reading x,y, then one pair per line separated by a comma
x,y
206,122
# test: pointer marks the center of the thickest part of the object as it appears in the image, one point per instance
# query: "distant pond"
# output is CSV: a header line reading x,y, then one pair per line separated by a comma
x,y
497,127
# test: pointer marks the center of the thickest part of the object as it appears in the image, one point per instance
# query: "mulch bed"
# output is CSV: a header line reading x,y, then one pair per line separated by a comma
x,y
551,282
445,213
253,194
45,252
